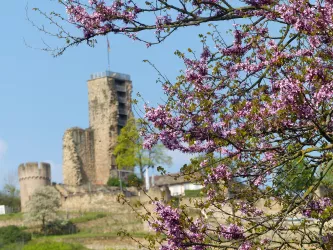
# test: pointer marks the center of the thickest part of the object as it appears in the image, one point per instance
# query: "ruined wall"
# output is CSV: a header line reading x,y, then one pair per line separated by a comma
x,y
78,156
32,176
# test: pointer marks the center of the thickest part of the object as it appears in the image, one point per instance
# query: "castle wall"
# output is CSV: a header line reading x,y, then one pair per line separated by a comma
x,y
32,176
78,156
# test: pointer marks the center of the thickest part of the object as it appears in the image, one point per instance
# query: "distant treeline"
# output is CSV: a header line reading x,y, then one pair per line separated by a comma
x,y
10,196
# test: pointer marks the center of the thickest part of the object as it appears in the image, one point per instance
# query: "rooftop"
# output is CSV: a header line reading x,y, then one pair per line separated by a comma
x,y
169,179
112,74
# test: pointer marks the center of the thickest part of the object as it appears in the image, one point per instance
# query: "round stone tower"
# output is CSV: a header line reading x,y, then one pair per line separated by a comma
x,y
32,176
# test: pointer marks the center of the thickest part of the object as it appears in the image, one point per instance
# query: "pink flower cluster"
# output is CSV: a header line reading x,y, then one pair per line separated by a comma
x,y
317,206
100,20
219,173
249,210
170,225
232,232
259,2
245,246
327,238
197,70
178,238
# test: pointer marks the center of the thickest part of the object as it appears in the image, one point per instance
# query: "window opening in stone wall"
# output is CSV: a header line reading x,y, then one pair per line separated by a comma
x,y
121,94
119,128
120,82
120,86
122,117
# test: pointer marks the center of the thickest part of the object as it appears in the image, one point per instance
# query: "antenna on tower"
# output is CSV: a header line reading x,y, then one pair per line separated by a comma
x,y
109,49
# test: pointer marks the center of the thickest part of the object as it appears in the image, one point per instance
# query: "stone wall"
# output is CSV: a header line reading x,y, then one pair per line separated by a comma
x,y
78,156
32,176
103,120
90,199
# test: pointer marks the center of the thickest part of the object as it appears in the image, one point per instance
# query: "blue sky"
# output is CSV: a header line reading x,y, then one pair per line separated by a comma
x,y
41,96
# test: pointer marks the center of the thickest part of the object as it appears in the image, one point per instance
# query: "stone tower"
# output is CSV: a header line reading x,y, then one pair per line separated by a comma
x,y
32,176
88,153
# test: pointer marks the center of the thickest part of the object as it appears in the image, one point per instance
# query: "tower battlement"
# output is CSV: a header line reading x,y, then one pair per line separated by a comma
x,y
34,170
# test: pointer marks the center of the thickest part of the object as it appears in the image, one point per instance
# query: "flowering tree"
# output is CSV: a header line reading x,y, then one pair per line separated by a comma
x,y
43,205
261,104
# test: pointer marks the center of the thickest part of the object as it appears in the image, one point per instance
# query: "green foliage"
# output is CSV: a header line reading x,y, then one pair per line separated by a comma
x,y
134,181
13,246
193,193
328,179
10,196
129,151
294,177
13,234
127,141
88,217
60,227
52,245
175,201
114,182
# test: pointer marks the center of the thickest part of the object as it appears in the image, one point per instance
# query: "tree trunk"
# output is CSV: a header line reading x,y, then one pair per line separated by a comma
x,y
142,175
43,225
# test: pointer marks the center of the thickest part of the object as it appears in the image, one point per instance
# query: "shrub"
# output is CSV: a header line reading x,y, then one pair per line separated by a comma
x,y
134,181
60,227
52,245
13,234
114,182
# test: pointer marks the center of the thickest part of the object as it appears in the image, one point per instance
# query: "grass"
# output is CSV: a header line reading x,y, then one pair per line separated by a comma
x,y
89,216
90,232
13,216
85,235
193,193
53,245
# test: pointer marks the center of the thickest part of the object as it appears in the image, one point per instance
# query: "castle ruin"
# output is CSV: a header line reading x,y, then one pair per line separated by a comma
x,y
88,153
32,176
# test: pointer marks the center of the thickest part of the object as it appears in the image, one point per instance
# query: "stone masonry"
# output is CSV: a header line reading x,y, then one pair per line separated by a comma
x,y
32,176
88,153
78,153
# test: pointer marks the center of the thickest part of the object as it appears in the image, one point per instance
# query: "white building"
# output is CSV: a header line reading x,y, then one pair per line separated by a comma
x,y
5,209
176,184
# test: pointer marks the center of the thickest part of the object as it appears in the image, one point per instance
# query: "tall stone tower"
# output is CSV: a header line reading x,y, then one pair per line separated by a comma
x,y
32,176
88,154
